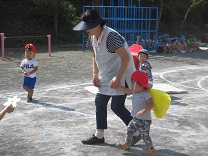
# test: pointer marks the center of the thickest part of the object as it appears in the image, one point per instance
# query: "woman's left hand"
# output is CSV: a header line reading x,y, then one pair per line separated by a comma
x,y
114,83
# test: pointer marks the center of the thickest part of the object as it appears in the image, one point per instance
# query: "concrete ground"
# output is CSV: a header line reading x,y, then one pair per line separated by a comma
x,y
63,112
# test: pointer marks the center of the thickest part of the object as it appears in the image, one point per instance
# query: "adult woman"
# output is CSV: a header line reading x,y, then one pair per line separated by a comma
x,y
112,66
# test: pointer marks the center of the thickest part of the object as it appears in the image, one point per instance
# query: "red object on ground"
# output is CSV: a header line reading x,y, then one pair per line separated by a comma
x,y
134,49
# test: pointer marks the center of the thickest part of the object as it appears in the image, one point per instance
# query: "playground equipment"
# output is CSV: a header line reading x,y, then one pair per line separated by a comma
x,y
3,38
130,21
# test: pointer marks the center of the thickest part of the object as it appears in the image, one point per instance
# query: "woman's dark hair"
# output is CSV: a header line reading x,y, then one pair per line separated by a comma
x,y
93,15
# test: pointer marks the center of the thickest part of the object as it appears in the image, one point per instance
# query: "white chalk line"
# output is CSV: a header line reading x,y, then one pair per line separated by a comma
x,y
184,69
22,94
62,87
199,83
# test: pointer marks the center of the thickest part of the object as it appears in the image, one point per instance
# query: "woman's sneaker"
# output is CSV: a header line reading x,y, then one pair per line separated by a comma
x,y
123,146
93,140
150,152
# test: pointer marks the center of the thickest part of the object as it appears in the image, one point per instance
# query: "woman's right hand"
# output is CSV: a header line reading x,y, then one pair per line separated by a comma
x,y
95,81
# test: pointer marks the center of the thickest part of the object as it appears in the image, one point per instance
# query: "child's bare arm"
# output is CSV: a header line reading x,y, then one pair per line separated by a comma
x,y
124,90
22,69
23,72
150,105
145,68
34,70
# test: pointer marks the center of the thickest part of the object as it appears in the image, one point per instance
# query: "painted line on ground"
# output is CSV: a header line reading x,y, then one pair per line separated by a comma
x,y
184,69
199,83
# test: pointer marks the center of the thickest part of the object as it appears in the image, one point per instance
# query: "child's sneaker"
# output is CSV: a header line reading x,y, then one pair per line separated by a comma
x,y
29,99
151,152
123,146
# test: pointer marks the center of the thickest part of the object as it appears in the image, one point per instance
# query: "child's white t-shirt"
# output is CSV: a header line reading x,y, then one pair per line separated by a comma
x,y
29,65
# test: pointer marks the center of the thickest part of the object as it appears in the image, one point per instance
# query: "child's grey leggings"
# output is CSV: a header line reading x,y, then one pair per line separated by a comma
x,y
143,126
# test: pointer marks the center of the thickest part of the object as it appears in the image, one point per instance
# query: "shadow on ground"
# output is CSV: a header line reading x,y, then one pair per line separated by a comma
x,y
47,105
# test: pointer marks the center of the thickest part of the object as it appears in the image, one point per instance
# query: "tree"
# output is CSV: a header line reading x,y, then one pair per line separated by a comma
x,y
187,12
160,10
96,2
197,11
56,7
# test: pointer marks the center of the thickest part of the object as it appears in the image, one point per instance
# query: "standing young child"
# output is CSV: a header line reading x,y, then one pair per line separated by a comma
x,y
144,65
29,67
142,104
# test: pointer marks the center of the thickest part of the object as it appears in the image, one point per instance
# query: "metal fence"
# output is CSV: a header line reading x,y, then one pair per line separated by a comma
x,y
129,21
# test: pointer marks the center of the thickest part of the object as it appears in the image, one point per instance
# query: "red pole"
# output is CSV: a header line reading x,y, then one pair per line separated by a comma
x,y
49,45
2,45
